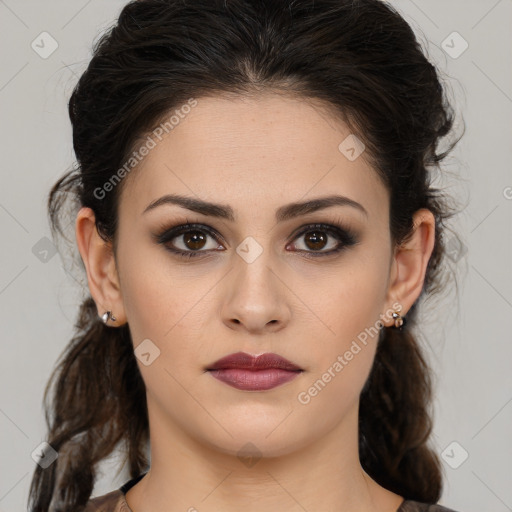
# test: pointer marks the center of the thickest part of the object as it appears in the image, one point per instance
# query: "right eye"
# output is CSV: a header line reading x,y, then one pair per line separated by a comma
x,y
191,237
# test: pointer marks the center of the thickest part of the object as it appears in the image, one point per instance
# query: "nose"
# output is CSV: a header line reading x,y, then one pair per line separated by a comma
x,y
256,298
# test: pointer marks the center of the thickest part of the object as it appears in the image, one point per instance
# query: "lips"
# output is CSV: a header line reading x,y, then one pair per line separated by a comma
x,y
246,372
242,360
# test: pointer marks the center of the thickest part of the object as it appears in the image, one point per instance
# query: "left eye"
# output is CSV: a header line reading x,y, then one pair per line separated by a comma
x,y
193,239
316,239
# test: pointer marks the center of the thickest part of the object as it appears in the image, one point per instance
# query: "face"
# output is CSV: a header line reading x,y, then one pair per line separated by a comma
x,y
261,277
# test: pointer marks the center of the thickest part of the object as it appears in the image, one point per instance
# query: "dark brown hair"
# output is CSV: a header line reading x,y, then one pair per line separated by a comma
x,y
358,57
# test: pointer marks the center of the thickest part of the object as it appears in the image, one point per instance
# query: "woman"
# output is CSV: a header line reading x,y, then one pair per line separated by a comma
x,y
257,224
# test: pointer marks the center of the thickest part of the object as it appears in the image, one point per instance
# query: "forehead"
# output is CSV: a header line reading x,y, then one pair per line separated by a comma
x,y
268,149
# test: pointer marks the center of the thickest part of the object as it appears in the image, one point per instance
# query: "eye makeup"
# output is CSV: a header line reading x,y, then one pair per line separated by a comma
x,y
341,234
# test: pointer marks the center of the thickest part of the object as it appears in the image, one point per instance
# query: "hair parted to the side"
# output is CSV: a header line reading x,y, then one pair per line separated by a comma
x,y
359,58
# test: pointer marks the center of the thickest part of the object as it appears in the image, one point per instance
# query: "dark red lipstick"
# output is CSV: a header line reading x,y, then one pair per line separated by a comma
x,y
254,373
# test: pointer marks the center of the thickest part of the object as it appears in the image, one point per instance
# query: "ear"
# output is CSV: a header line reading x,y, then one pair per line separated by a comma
x,y
409,264
99,261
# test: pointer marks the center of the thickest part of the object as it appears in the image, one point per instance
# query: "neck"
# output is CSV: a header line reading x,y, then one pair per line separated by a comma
x,y
188,476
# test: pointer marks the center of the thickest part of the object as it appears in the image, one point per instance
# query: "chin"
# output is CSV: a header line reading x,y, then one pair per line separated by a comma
x,y
262,437
251,448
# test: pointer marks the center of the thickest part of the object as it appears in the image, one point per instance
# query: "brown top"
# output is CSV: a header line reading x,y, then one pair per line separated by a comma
x,y
115,502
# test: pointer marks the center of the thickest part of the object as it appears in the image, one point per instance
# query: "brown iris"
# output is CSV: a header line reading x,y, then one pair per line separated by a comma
x,y
197,239
316,239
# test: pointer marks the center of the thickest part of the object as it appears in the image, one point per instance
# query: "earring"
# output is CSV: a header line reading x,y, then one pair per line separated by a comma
x,y
107,315
399,320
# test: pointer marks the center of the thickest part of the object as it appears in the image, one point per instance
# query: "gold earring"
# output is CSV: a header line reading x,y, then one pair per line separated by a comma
x,y
399,320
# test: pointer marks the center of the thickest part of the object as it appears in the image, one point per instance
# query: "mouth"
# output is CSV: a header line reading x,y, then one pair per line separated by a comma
x,y
254,373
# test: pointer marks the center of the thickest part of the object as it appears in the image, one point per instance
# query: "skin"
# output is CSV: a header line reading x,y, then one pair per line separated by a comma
x,y
271,150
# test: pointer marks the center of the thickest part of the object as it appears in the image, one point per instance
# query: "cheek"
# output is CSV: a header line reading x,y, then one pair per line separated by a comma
x,y
167,305
158,313
350,299
349,304
150,300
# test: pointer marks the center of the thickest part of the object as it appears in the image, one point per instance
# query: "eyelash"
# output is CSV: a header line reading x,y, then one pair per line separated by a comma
x,y
345,237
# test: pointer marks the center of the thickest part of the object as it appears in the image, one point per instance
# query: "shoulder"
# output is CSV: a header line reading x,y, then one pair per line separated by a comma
x,y
416,506
112,502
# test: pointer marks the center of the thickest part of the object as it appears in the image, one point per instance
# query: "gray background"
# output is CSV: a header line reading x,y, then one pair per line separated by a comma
x,y
468,330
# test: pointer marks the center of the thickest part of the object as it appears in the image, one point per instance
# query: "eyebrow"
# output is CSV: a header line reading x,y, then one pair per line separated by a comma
x,y
283,213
